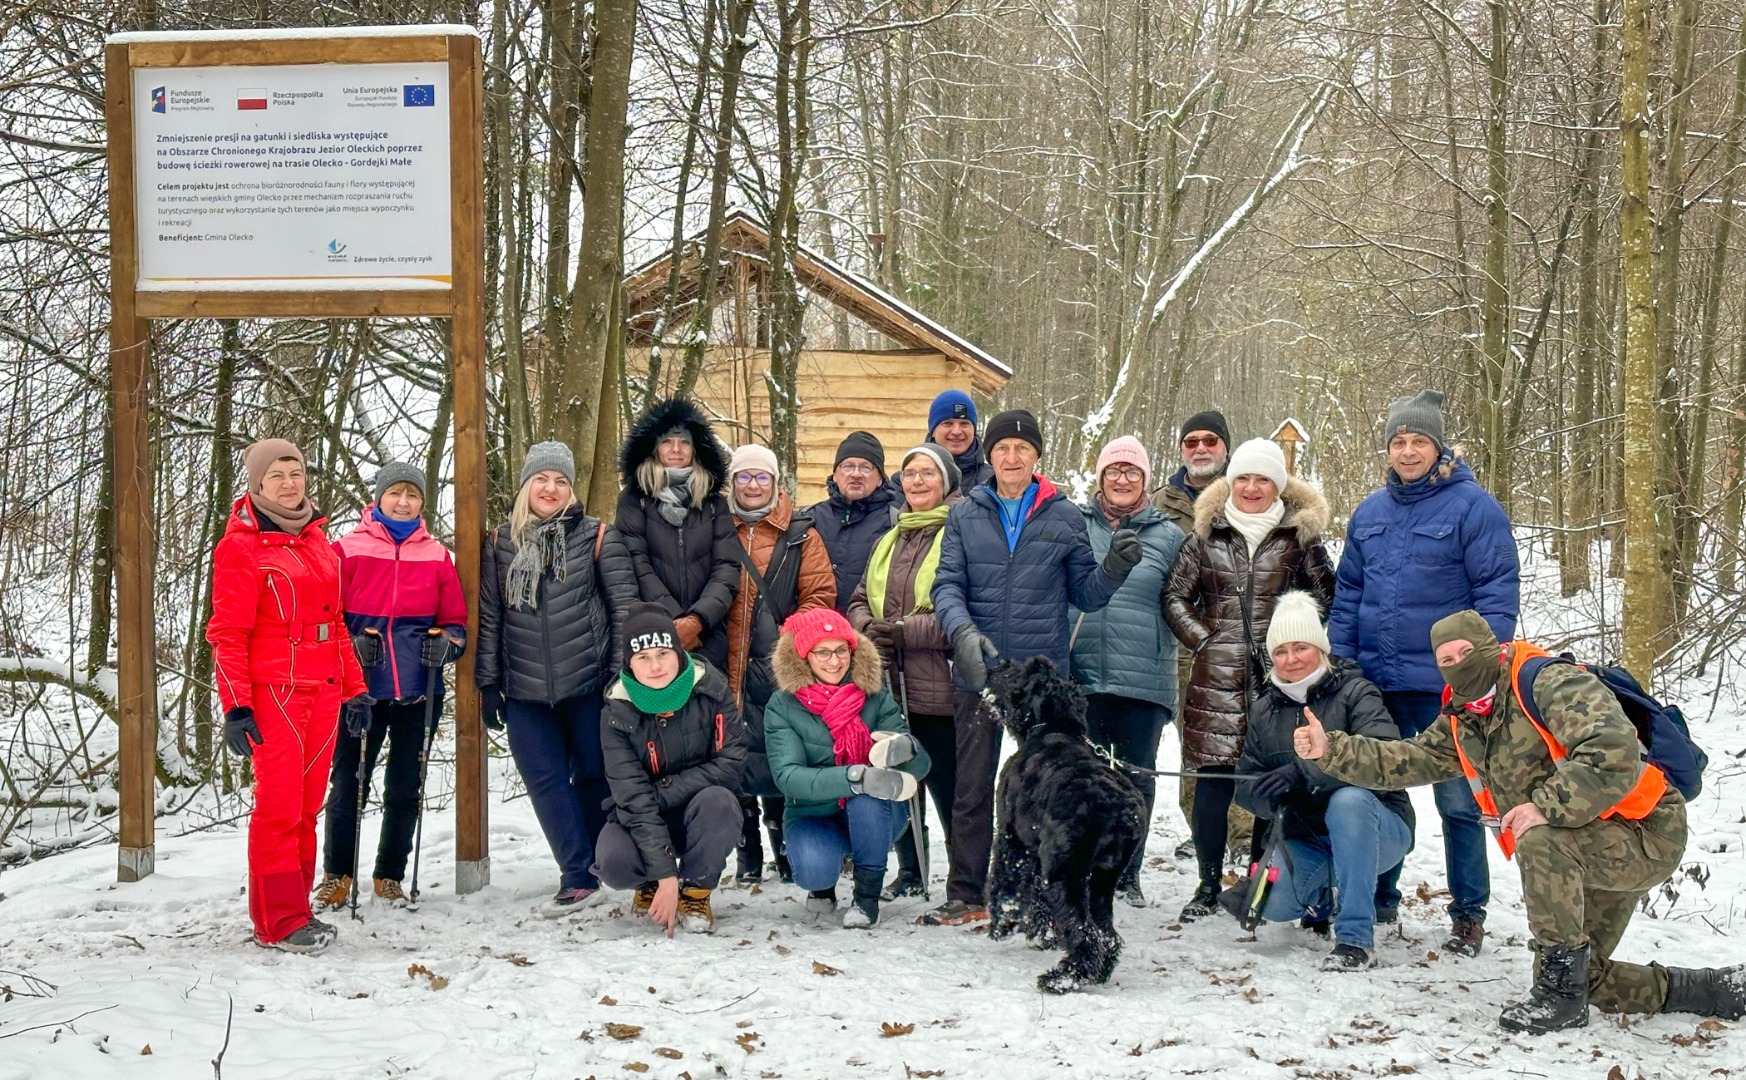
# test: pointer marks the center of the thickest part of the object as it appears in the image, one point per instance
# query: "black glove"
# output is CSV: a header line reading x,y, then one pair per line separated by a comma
x,y
491,707
1124,553
436,649
355,714
972,653
368,646
239,728
884,636
1272,788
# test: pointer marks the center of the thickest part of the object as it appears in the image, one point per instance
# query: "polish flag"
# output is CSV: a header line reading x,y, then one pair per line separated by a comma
x,y
251,99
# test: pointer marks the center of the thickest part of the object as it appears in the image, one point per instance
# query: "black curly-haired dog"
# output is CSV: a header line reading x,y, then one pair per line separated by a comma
x,y
1069,825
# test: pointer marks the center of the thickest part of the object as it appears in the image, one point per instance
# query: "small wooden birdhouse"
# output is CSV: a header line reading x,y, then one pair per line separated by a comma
x,y
1289,436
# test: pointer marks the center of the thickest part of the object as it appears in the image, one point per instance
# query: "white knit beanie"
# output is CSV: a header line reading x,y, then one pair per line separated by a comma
x,y
754,458
1297,617
1259,457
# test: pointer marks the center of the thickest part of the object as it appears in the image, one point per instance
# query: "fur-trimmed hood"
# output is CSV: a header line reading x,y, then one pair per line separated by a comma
x,y
1306,509
792,672
660,418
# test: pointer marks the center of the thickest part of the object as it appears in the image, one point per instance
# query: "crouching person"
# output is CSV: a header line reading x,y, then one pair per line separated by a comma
x,y
1592,827
1337,837
674,748
843,757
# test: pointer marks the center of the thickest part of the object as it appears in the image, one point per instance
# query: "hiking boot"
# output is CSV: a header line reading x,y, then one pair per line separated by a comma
x,y
310,938
643,899
1202,904
822,901
388,891
955,913
1466,934
695,916
904,885
749,855
749,873
1347,958
1559,999
784,873
1707,991
1387,914
567,902
332,893
863,911
1128,890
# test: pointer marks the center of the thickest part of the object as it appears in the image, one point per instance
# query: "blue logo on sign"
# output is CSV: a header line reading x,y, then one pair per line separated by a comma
x,y
335,246
418,94
158,103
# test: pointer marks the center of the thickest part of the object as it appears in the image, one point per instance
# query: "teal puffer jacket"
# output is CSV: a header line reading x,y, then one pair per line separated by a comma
x,y
1126,648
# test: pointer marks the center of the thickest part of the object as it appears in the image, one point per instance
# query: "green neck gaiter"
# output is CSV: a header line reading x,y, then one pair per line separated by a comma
x,y
668,699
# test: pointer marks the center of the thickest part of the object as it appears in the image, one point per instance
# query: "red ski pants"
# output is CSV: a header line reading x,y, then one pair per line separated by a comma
x,y
298,725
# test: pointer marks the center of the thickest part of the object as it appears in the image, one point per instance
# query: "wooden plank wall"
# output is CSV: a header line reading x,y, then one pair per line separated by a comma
x,y
884,393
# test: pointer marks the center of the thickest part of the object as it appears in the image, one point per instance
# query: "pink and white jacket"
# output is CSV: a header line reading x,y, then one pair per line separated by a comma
x,y
400,591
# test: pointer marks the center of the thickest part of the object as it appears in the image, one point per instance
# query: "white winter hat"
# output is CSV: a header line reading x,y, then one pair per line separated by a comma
x,y
1297,617
1259,457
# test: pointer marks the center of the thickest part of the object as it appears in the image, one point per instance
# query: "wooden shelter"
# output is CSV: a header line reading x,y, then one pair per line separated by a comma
x,y
871,362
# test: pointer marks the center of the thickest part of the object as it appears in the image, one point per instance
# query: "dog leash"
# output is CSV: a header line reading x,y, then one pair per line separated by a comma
x,y
1108,754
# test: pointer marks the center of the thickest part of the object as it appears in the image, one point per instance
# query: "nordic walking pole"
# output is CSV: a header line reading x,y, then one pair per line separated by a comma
x,y
372,658
916,807
433,676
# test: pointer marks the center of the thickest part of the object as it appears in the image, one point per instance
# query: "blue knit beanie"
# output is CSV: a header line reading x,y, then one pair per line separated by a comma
x,y
951,405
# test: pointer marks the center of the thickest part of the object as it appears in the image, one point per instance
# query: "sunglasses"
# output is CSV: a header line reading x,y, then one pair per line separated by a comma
x,y
753,479
1194,441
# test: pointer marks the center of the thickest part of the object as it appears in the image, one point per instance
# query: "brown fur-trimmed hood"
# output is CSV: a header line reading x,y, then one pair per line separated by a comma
x,y
792,671
1306,509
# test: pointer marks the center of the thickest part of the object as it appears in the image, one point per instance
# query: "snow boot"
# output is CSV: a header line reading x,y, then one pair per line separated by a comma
x,y
1202,904
1466,934
332,893
389,892
643,899
863,912
749,855
822,901
1707,991
695,915
1559,999
312,937
1347,958
567,902
1128,889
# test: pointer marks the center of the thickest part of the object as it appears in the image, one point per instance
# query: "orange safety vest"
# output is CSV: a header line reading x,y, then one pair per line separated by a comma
x,y
1637,804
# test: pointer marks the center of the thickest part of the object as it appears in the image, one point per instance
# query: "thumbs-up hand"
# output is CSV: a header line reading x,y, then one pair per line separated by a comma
x,y
1309,740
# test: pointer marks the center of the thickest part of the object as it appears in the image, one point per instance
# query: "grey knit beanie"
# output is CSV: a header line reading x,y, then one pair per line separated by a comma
x,y
398,472
1420,415
554,456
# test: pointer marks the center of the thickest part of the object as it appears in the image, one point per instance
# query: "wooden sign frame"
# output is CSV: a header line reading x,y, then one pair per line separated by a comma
x,y
463,304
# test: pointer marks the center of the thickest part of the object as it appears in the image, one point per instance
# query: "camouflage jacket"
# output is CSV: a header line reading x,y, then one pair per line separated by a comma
x,y
1508,754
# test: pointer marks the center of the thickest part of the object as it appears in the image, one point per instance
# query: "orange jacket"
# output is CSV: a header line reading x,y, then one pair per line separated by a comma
x,y
817,585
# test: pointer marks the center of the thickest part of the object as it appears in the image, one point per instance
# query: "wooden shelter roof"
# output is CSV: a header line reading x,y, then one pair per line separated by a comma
x,y
744,237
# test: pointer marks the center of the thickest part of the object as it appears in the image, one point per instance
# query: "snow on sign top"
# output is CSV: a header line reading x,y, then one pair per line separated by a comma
x,y
136,37
1291,431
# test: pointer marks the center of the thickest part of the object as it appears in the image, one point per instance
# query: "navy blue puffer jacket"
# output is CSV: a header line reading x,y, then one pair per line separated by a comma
x,y
849,531
1415,553
1019,598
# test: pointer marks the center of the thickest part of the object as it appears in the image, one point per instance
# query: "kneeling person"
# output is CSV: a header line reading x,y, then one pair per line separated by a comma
x,y
842,756
1592,826
674,748
1337,837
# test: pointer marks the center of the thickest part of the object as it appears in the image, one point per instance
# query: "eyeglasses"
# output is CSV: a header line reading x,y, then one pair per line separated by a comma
x,y
821,655
1132,476
856,470
1208,441
917,475
754,479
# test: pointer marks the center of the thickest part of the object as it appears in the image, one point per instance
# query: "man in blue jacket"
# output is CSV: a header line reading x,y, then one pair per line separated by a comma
x,y
1430,543
1013,555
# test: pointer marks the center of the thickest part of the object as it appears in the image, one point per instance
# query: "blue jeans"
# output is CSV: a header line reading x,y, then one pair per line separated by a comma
x,y
865,829
1463,836
1364,837
557,751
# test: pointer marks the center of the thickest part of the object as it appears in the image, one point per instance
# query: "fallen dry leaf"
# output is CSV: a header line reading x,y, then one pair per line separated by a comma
x,y
921,1074
146,1050
783,950
608,1001
519,960
669,1053
748,1042
1252,995
623,1031
437,982
891,1030
1397,1069
824,969
636,1066
743,1024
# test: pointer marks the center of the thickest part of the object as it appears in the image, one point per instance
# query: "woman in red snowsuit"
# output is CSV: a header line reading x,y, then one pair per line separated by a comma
x,y
283,664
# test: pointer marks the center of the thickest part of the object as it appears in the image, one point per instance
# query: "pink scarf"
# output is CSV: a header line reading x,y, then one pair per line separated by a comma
x,y
839,707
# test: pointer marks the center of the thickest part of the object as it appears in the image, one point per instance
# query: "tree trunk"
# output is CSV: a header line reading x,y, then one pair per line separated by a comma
x,y
1495,309
1728,558
788,308
517,420
566,68
1673,464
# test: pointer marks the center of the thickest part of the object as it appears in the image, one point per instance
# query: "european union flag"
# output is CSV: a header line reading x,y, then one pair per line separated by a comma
x,y
418,94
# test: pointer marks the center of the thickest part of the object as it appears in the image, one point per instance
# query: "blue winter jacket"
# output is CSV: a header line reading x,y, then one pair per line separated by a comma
x,y
1126,648
1018,599
849,531
1415,553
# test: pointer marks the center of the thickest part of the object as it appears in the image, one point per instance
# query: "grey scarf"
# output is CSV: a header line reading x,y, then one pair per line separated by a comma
x,y
541,548
675,498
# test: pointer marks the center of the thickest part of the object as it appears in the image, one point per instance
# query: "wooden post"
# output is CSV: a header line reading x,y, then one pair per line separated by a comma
x,y
130,390
467,351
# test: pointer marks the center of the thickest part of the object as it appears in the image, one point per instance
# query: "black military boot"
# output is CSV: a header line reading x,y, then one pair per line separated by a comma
x,y
750,852
864,911
1707,991
1559,999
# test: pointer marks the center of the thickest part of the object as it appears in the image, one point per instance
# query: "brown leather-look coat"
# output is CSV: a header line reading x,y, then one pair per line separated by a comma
x,y
1214,580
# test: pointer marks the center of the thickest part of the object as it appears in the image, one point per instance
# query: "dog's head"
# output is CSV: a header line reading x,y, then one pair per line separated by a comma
x,y
1034,697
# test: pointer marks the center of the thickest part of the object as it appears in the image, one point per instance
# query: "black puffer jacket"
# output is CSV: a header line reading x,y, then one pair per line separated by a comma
x,y
1215,583
850,529
1343,701
656,764
569,644
689,569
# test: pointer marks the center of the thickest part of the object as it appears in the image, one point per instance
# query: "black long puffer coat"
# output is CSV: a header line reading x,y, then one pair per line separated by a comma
x,y
1343,701
688,569
1215,579
657,764
568,645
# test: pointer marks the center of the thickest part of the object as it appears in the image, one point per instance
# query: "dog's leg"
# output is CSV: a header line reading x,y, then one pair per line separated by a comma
x,y
1105,944
1007,886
